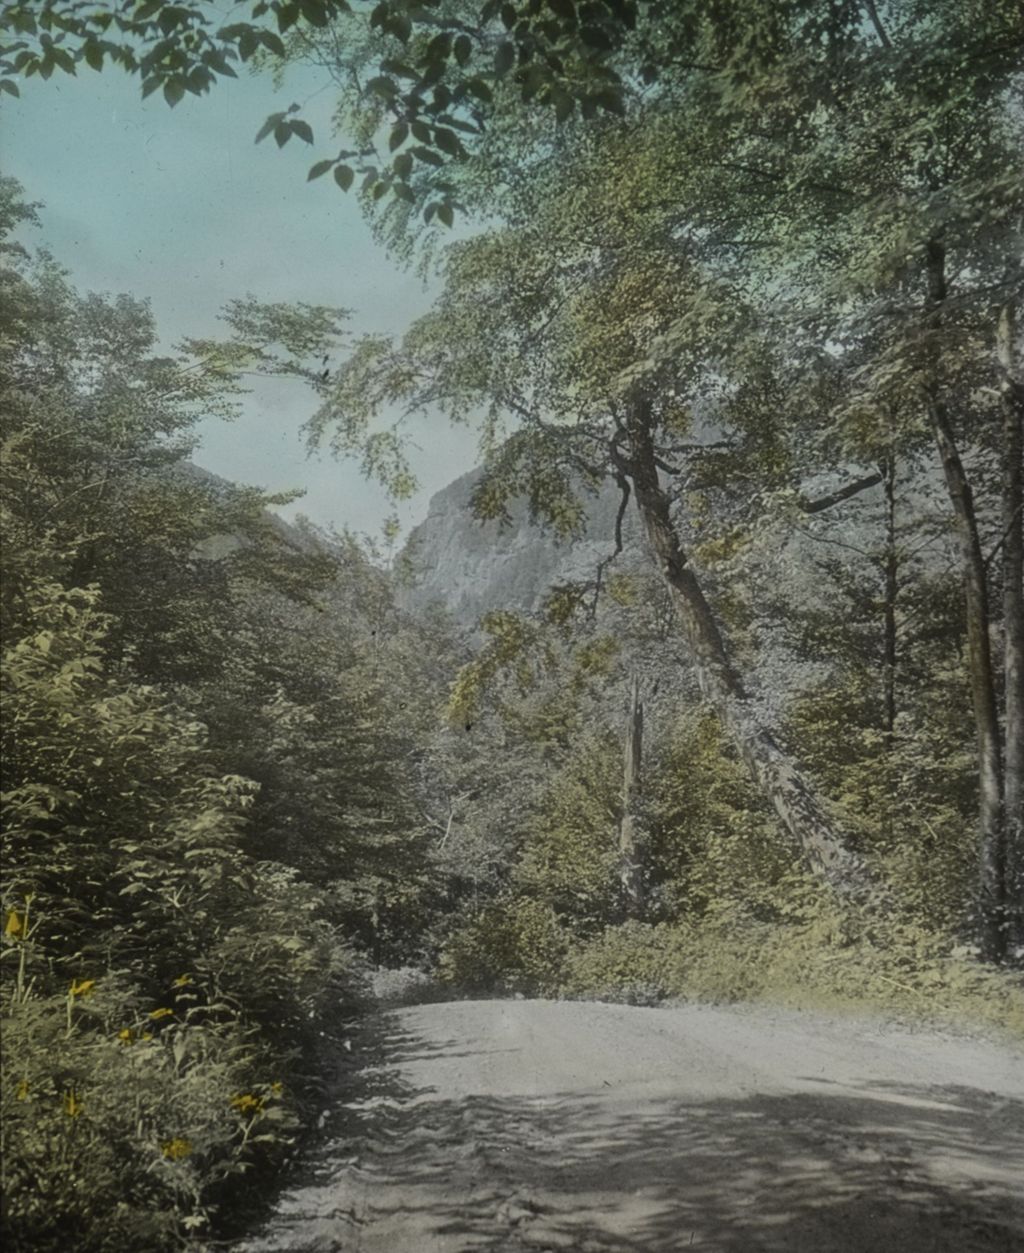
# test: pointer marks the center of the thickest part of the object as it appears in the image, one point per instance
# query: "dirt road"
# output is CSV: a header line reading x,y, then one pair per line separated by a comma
x,y
507,1126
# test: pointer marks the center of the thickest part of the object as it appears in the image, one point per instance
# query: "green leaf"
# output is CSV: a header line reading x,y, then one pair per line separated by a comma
x,y
268,126
402,165
445,213
315,12
10,87
399,134
428,156
477,87
448,141
273,43
318,170
564,106
174,90
93,53
611,101
382,86
463,49
302,129
344,176
596,37
504,58
400,26
287,16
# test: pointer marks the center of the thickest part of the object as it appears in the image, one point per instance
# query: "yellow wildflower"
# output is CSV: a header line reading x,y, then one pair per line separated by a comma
x,y
72,1105
82,988
245,1102
125,1035
177,1148
23,1090
182,981
15,924
277,1087
145,1035
161,1013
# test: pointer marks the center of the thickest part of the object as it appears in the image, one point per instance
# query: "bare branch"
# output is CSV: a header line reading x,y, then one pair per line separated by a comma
x,y
876,22
1004,537
620,515
841,494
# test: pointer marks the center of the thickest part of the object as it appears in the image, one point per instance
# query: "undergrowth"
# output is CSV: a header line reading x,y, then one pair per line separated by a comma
x,y
828,958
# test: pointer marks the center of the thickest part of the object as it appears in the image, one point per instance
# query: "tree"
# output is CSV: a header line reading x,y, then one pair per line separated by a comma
x,y
839,179
823,171
437,66
171,971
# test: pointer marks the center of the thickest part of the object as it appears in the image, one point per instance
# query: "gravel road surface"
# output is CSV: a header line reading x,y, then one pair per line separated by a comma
x,y
514,1126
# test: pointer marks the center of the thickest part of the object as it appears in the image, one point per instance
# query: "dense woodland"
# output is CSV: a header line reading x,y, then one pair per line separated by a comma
x,y
757,264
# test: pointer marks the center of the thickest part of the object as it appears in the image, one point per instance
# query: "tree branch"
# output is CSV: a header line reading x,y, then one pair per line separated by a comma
x,y
626,491
876,22
1003,538
841,494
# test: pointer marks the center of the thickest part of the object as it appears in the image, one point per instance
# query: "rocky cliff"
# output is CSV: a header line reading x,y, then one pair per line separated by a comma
x,y
474,567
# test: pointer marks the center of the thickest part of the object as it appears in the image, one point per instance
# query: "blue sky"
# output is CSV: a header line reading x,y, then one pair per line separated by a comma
x,y
180,206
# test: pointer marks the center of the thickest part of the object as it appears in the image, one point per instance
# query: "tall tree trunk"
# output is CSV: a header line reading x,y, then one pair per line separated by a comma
x,y
630,871
891,569
1013,618
991,845
774,773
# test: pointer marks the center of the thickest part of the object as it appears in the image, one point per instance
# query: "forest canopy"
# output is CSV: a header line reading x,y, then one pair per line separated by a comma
x,y
749,269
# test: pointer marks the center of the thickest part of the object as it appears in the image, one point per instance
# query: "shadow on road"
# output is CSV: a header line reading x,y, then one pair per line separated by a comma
x,y
836,1168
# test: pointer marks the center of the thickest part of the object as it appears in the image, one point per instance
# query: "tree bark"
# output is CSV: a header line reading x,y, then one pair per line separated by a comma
x,y
891,565
630,870
1012,387
792,797
991,846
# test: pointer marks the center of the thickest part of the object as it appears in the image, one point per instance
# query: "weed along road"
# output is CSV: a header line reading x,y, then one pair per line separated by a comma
x,y
539,1125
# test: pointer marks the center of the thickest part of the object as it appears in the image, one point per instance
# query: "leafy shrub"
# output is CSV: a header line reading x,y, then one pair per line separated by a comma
x,y
830,958
631,964
512,945
406,985
158,984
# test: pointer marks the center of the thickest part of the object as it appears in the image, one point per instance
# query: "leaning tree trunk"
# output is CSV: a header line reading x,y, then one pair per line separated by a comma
x,y
630,870
1013,619
775,774
981,668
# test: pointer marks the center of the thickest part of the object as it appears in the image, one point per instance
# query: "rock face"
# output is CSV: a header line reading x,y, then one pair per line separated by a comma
x,y
474,567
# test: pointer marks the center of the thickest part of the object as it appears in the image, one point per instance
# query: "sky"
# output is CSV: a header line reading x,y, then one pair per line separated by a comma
x,y
181,207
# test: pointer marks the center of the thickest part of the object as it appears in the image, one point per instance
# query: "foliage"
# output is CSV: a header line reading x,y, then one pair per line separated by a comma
x,y
511,945
435,67
728,249
569,857
146,957
201,816
822,960
712,842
